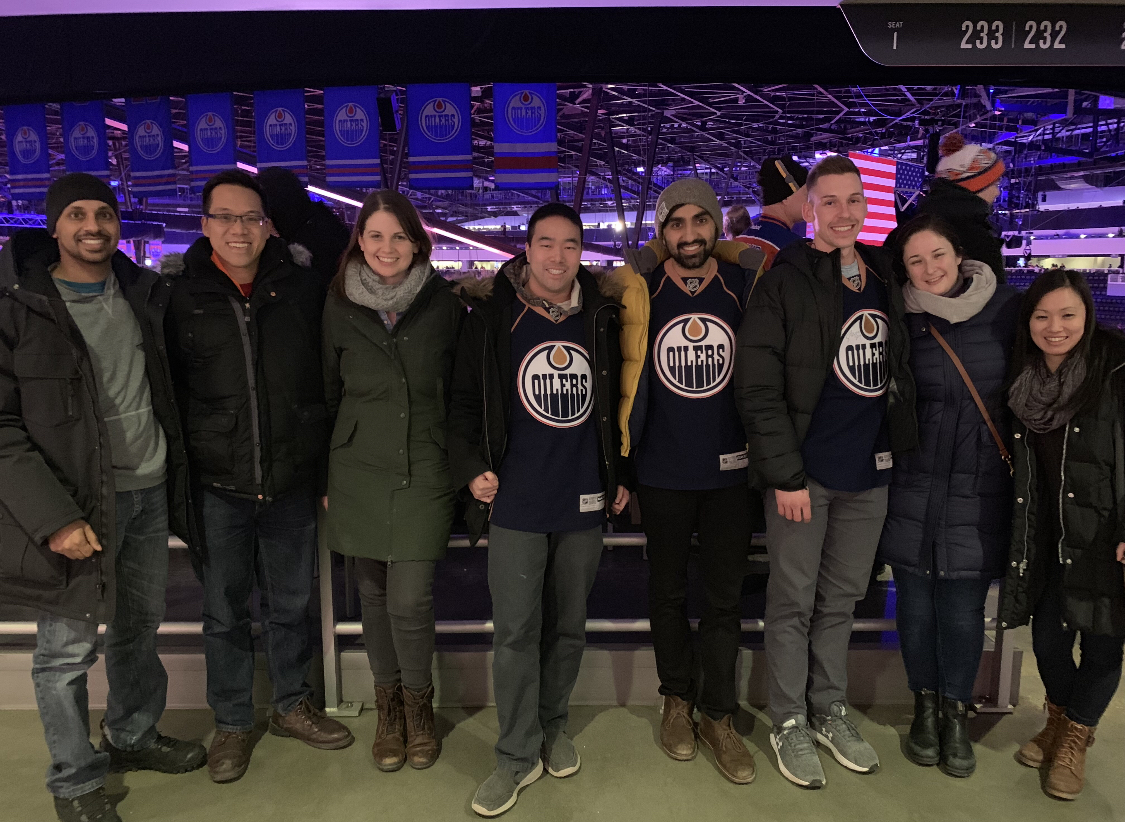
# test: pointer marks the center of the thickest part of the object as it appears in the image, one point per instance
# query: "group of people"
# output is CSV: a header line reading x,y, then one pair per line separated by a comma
x,y
858,403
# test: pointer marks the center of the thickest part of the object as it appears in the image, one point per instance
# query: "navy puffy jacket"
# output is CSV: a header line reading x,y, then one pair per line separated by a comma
x,y
950,502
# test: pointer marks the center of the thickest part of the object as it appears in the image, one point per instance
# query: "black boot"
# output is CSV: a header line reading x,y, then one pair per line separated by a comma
x,y
957,757
922,747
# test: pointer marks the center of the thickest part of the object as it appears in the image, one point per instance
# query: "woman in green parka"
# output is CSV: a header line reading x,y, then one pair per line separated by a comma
x,y
390,332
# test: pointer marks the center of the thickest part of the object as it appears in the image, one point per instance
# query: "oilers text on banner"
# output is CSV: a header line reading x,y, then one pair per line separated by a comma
x,y
210,136
525,135
351,137
84,142
440,135
29,166
152,166
279,118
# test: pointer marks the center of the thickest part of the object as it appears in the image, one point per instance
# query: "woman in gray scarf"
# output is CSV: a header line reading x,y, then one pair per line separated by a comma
x,y
1064,570
390,333
946,532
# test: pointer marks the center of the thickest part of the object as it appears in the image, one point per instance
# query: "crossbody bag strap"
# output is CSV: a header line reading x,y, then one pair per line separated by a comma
x,y
976,398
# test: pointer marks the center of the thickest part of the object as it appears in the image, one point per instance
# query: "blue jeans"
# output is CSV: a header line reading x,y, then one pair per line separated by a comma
x,y
285,532
941,632
66,648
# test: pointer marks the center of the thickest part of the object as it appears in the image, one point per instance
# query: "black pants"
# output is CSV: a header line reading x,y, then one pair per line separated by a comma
x,y
722,519
1084,689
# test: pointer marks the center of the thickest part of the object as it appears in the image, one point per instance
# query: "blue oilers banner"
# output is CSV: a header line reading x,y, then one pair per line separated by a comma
x,y
210,128
29,165
351,137
279,118
83,130
440,134
524,135
152,165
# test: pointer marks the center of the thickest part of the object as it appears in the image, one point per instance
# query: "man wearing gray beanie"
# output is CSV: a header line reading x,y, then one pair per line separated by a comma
x,y
782,184
678,410
91,478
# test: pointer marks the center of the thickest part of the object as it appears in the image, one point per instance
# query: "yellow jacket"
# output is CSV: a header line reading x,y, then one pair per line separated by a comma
x,y
634,315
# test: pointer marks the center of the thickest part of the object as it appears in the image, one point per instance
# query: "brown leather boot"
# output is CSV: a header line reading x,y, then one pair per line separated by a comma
x,y
422,744
677,730
1068,768
312,726
734,761
389,748
1041,747
229,755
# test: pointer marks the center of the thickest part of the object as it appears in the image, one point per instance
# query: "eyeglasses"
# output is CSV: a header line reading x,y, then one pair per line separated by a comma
x,y
228,220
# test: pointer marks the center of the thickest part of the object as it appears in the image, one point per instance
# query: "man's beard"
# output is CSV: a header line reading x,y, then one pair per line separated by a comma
x,y
694,260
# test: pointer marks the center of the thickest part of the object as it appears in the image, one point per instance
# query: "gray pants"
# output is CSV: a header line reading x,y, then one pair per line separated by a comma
x,y
398,620
818,571
539,585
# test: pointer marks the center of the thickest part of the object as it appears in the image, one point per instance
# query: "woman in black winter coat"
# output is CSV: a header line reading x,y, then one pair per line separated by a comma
x,y
946,533
1064,572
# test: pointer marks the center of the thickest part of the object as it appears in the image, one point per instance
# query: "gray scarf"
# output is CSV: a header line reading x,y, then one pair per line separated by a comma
x,y
1043,401
965,305
363,286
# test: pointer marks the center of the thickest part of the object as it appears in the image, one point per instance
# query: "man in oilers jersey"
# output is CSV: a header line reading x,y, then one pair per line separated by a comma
x,y
824,389
680,423
533,437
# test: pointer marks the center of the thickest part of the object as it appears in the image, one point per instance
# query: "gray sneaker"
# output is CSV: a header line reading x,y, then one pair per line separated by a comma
x,y
500,791
796,753
837,733
561,757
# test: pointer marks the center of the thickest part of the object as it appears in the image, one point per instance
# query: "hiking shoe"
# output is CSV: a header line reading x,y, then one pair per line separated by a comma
x,y
500,791
561,757
796,753
89,807
677,729
229,755
165,754
312,726
837,733
731,757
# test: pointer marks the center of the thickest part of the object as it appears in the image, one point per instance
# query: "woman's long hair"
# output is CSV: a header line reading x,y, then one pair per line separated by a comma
x,y
1027,353
403,210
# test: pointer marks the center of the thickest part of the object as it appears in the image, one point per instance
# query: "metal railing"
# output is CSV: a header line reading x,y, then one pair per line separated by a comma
x,y
1002,670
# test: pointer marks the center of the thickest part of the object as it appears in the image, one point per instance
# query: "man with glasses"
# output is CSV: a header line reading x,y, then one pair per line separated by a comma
x,y
243,330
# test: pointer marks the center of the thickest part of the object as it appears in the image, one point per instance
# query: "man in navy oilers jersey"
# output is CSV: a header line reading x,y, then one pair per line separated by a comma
x,y
690,455
534,438
825,392
782,183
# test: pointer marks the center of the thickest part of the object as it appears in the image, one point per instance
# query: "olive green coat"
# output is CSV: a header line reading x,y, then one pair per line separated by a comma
x,y
389,494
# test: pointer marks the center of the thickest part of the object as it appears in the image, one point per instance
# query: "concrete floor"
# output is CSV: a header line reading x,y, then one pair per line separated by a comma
x,y
624,775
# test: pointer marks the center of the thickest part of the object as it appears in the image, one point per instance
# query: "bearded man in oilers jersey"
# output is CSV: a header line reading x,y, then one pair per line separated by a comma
x,y
533,439
680,421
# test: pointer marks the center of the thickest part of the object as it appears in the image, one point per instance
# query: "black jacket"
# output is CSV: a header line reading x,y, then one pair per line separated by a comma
x,y
786,344
481,399
950,502
971,218
55,460
324,236
248,373
1092,508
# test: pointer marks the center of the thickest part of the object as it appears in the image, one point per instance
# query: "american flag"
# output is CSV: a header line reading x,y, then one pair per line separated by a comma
x,y
883,178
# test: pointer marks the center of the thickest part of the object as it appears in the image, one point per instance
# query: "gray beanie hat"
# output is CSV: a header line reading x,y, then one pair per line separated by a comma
x,y
682,192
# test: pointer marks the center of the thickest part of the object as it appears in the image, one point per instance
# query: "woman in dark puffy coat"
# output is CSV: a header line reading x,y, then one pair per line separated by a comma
x,y
1064,572
946,532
